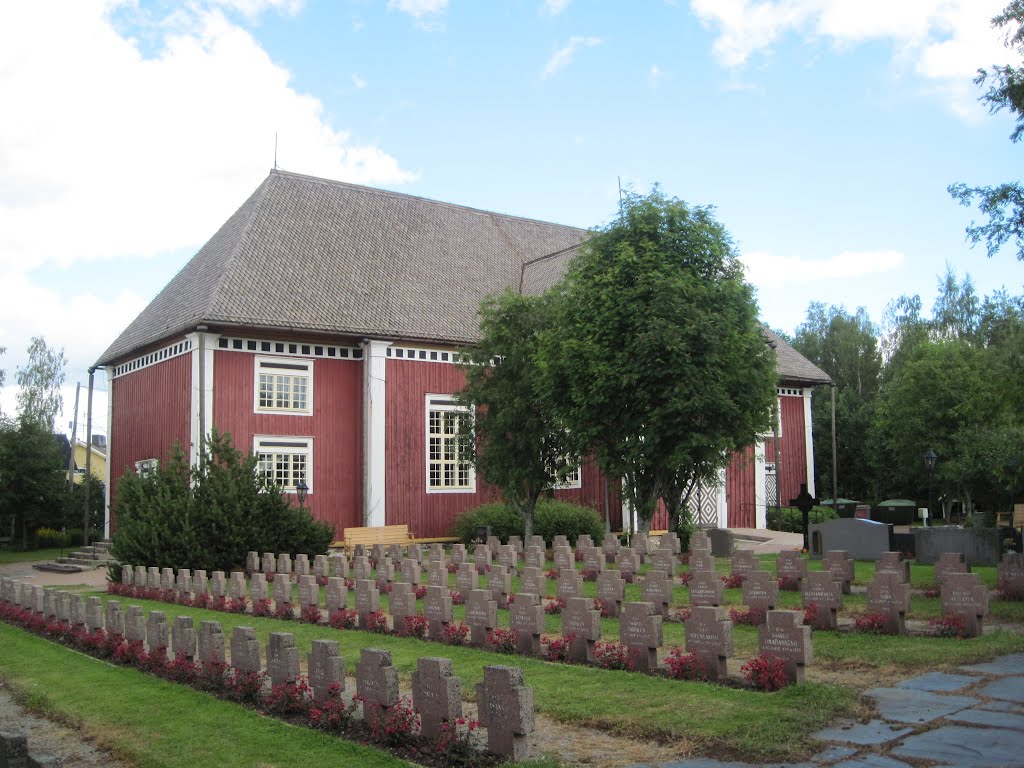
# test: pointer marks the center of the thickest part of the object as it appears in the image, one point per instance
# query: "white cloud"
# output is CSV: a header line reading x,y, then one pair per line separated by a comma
x,y
418,8
253,8
770,270
654,75
553,7
564,56
358,82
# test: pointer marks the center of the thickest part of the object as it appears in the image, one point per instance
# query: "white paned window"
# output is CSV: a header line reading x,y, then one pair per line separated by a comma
x,y
572,479
448,471
284,461
284,385
145,467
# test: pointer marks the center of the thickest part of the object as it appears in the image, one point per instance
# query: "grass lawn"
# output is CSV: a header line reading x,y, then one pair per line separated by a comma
x,y
9,557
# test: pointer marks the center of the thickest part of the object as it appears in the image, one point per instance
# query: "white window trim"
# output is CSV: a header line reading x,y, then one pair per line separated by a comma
x,y
442,402
143,467
293,445
301,364
571,483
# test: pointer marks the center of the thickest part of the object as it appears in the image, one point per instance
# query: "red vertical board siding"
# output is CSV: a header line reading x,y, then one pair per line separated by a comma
x,y
150,413
591,491
793,448
739,490
335,426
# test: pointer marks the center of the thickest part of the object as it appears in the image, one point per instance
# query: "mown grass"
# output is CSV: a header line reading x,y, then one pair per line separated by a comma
x,y
10,557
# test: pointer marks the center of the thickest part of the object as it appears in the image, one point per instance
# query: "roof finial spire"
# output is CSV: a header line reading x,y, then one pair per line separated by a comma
x,y
275,150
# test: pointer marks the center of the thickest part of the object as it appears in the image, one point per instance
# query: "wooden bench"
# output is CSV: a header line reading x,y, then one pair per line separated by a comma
x,y
382,534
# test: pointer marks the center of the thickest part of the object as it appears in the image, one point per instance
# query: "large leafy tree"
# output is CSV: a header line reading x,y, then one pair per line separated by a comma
x,y
32,476
515,440
40,380
1003,204
656,362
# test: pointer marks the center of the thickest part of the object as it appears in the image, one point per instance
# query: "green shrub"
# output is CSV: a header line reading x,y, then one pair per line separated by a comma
x,y
503,520
793,520
555,517
175,517
48,537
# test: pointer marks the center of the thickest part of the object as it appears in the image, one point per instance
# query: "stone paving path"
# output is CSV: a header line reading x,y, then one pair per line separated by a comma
x,y
974,719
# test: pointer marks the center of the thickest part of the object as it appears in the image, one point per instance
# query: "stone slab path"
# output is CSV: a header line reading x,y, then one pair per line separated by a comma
x,y
973,719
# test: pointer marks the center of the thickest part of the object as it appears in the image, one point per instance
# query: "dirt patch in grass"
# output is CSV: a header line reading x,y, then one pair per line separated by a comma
x,y
576,746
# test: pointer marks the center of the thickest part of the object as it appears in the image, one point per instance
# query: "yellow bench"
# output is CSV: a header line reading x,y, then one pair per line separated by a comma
x,y
381,534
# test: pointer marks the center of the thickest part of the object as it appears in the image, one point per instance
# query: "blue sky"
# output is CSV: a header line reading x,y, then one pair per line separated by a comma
x,y
824,132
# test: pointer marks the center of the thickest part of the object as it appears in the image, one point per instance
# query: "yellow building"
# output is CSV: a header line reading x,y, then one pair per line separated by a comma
x,y
98,465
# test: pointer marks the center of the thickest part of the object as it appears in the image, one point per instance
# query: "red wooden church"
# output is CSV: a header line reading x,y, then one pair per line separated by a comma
x,y
320,326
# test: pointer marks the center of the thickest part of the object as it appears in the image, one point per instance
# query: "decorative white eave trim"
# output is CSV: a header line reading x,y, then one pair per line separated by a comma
x,y
293,348
176,349
424,354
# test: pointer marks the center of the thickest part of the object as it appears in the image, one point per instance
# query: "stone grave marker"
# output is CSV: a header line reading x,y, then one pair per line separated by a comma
x,y
459,554
394,551
570,584
481,557
839,565
336,595
436,552
359,550
508,558
258,587
505,708
134,624
156,631
791,565
93,612
77,618
326,667
167,579
641,543
437,607
499,584
361,568
302,565
283,591
537,541
1010,573
657,588
722,542
140,576
183,638
436,694
376,683
309,592
760,591
583,622
863,539
493,542
699,542
50,604
437,573
564,559
237,585
282,658
663,560
410,571
481,615
466,578
127,575
211,643
269,562
200,583
890,595
743,562
584,541
560,540
252,562
64,606
640,631
966,598
245,649
321,567
628,562
706,589
526,619
113,619
611,591
183,583
386,572
533,581
610,546
593,559
949,563
893,562
709,638
784,635
153,577
377,553
516,543
822,591
403,604
367,600
701,562
338,565
534,557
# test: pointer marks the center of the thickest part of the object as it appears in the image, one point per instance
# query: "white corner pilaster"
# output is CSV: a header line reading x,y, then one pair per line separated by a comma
x,y
108,462
809,440
374,431
203,345
760,503
722,507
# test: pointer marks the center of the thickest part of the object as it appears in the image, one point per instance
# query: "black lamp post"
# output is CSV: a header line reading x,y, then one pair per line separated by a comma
x,y
929,461
302,489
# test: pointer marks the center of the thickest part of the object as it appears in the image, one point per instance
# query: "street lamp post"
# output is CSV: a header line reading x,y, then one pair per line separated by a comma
x,y
929,461
302,489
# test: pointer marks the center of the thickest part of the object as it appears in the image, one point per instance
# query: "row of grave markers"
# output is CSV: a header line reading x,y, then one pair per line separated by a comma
x,y
504,703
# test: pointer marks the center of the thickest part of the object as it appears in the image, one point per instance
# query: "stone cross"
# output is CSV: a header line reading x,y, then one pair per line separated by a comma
x,y
321,566
791,564
709,638
436,552
459,554
282,658
245,649
337,595
892,562
394,551
657,588
516,543
361,568
284,564
663,560
127,575
269,562
77,613
760,591
326,667
437,573
153,577
238,585
93,613
593,559
481,557
508,557
258,587
50,605
564,559
113,618
339,565
784,635
156,631
584,541
183,638
706,589
743,562
252,562
534,557
640,631
699,542
611,591
437,607
436,694
386,572
610,546
560,540
949,562
641,543
580,619
302,565
890,595
309,592
701,562
403,603
628,562
200,583
283,590
211,643
416,552
367,600
410,570
466,578
499,584
1010,573
359,550
536,541
505,708
526,620
493,542
570,583
167,579
64,607
820,589
183,586
839,565
376,683
533,581
966,598
140,576
481,615
134,624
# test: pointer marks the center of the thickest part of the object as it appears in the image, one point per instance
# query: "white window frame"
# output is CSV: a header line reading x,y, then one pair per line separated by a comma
x,y
283,366
446,404
573,480
286,445
143,467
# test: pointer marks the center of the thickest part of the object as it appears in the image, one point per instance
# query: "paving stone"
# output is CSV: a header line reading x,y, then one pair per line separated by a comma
x,y
990,718
873,732
1007,688
1001,706
834,753
966,747
937,681
706,762
1004,665
909,706
872,761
